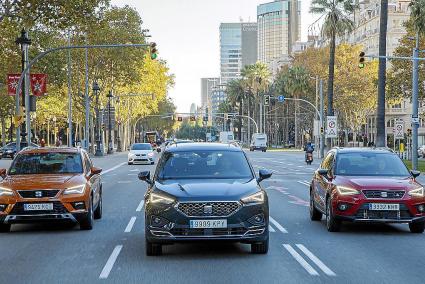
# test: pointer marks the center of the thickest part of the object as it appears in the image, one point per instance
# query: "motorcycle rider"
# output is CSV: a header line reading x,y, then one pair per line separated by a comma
x,y
309,149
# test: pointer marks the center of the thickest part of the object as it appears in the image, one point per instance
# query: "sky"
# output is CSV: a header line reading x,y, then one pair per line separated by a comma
x,y
187,35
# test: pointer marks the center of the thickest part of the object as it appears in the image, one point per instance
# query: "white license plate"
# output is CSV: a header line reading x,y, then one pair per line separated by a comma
x,y
38,206
208,224
384,207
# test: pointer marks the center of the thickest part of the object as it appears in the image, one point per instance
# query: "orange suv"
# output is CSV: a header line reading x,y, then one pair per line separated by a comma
x,y
50,184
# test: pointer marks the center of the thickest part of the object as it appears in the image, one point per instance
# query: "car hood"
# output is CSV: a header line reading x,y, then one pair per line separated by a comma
x,y
42,181
208,189
395,183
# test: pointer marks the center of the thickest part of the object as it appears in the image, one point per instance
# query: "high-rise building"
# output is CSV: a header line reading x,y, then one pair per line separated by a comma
x,y
279,27
207,85
249,44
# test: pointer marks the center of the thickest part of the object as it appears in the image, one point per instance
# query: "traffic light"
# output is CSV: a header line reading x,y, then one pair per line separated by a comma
x,y
266,100
322,130
154,51
361,59
409,132
205,118
179,118
192,118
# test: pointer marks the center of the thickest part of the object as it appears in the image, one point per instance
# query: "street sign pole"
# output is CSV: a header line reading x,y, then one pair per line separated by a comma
x,y
415,122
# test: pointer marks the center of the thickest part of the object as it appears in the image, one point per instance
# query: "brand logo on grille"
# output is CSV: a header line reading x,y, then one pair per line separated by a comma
x,y
208,209
38,194
384,194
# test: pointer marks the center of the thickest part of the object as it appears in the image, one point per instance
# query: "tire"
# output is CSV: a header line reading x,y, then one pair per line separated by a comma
x,y
99,210
332,224
87,222
417,228
5,228
153,249
261,247
315,215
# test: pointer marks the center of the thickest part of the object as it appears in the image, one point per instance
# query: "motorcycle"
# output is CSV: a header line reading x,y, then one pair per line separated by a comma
x,y
309,158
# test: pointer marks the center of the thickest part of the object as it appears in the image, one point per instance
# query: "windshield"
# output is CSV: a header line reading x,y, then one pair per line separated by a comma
x,y
141,147
204,164
47,163
370,164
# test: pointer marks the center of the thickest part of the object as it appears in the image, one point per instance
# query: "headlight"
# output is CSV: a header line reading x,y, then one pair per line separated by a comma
x,y
130,155
159,198
257,197
417,192
343,190
78,189
5,192
150,155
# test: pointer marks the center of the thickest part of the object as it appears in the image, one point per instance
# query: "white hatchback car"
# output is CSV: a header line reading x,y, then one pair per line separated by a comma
x,y
141,153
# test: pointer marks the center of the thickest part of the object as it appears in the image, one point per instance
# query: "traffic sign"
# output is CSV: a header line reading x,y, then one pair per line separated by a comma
x,y
281,98
331,127
399,130
415,120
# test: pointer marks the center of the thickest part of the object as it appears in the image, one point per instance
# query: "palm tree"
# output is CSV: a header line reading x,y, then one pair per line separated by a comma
x,y
417,8
336,23
294,81
236,95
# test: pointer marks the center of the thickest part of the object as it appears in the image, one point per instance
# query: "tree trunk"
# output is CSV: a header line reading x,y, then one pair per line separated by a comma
x,y
380,123
240,121
3,131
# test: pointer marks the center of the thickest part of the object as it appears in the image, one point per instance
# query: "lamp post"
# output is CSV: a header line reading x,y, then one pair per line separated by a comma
x,y
96,90
119,128
110,148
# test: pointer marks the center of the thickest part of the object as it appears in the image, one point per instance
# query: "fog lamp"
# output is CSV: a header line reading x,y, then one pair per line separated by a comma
x,y
421,208
343,206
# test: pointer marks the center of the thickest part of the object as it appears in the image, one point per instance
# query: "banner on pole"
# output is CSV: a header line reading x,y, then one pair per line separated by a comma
x,y
38,84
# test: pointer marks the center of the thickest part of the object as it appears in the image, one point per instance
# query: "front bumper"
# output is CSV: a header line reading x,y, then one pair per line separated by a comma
x,y
141,160
177,228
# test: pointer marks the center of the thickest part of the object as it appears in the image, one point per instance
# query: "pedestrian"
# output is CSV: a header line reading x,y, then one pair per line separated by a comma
x,y
42,143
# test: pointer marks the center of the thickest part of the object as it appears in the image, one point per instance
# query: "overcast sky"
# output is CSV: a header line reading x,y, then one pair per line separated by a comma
x,y
187,34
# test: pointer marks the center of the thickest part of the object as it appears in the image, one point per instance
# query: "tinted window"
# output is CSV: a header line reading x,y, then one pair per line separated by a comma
x,y
204,164
370,164
47,163
141,147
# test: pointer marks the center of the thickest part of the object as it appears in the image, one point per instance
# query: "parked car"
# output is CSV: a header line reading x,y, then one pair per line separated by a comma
x,y
50,185
421,151
205,191
141,153
9,151
366,185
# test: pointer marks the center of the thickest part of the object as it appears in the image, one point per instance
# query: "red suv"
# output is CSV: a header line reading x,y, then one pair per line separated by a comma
x,y
366,185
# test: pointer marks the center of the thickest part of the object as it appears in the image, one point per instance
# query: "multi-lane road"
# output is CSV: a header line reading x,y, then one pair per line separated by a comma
x,y
300,251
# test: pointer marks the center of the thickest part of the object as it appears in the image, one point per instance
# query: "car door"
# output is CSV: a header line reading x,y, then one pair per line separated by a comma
x,y
322,183
93,180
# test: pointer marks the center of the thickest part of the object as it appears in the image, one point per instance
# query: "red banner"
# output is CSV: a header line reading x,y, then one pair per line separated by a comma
x,y
38,84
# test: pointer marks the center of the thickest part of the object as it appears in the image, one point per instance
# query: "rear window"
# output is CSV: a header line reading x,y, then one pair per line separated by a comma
x,y
141,147
370,164
46,163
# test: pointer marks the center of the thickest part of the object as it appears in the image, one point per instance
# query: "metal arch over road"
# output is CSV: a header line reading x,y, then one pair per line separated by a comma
x,y
43,54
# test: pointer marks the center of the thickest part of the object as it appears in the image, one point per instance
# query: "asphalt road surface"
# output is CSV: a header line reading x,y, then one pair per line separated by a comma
x,y
300,251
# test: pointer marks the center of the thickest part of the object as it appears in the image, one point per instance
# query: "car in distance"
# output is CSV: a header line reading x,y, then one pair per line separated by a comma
x,y
258,142
48,185
205,191
141,153
369,186
9,151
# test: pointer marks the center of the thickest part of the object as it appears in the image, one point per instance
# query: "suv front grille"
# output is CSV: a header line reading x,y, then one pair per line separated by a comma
x,y
209,232
200,209
384,194
18,209
50,193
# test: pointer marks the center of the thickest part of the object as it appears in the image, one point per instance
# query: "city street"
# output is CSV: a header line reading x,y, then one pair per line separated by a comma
x,y
300,251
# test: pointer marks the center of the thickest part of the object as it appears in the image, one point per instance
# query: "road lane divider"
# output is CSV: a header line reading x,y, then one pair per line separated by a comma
x,y
130,225
303,183
271,229
301,260
277,225
140,207
110,263
316,260
112,169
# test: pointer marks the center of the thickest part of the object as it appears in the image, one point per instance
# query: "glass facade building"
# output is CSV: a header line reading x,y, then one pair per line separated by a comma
x,y
230,51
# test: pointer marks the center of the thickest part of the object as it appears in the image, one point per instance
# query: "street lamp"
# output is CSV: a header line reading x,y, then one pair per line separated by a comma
x,y
110,149
96,91
119,128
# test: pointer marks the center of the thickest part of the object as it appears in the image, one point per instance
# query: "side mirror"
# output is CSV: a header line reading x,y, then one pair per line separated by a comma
x,y
264,174
145,176
3,173
158,150
95,171
415,174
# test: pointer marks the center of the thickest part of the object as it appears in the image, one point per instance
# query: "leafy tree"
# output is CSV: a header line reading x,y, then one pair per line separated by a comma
x,y
236,95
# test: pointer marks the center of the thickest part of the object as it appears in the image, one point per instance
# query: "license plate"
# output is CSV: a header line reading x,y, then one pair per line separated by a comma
x,y
208,224
38,207
384,206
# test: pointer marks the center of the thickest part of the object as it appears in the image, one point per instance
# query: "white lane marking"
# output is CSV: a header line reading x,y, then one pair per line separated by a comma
x,y
301,260
271,229
278,226
132,174
316,260
112,169
124,181
130,225
134,170
303,183
140,207
110,263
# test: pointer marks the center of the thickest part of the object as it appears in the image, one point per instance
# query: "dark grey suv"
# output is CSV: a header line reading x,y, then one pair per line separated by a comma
x,y
203,192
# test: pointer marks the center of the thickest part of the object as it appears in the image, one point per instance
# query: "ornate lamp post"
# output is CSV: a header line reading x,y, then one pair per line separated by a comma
x,y
119,129
96,91
110,148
